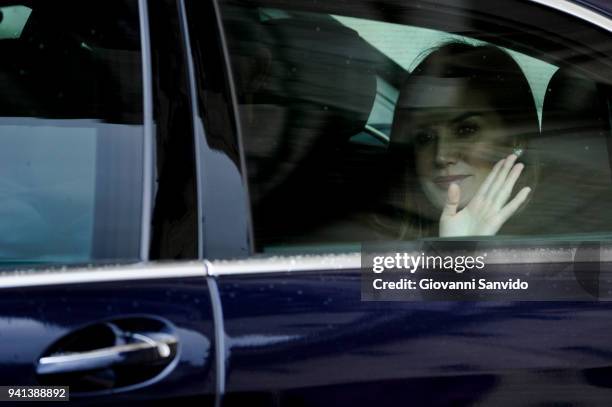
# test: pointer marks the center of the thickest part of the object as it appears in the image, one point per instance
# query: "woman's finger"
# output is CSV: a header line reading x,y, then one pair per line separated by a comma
x,y
484,187
452,200
506,190
501,177
509,210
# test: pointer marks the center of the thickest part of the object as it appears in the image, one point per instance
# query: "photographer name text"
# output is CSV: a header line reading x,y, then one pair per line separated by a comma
x,y
406,263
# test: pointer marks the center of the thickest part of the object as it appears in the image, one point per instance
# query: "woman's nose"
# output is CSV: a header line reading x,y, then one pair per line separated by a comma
x,y
446,152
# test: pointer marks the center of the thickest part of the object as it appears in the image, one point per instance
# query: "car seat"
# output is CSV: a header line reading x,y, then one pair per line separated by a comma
x,y
305,87
574,192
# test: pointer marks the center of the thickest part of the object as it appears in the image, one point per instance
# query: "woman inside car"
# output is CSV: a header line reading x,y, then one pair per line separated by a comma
x,y
460,131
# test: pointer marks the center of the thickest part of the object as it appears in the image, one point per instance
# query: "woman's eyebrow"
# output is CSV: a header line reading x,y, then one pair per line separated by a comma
x,y
464,116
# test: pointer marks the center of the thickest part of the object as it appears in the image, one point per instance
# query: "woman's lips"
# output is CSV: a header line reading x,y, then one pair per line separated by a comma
x,y
445,181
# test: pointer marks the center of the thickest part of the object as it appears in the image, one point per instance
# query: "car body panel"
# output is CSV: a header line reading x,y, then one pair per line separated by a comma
x,y
34,317
602,6
302,338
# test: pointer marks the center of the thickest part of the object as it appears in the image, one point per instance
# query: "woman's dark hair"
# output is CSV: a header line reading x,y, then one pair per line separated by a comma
x,y
484,68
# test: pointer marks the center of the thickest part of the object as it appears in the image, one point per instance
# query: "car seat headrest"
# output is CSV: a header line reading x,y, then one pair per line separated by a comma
x,y
304,85
574,192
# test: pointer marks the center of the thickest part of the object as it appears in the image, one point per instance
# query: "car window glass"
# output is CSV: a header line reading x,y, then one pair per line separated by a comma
x,y
13,20
356,121
389,39
70,132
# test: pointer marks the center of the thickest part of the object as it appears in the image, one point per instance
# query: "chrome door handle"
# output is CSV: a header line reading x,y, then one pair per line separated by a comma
x,y
146,348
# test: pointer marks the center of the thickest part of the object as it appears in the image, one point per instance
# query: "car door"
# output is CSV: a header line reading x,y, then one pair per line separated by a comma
x,y
98,179
312,91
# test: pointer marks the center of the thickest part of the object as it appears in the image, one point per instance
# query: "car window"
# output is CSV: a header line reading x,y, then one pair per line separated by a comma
x,y
71,132
356,122
13,20
389,39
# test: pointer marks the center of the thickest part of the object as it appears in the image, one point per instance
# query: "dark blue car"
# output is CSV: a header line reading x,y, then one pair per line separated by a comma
x,y
186,187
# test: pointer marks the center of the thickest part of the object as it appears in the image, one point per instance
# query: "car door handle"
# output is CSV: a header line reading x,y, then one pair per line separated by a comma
x,y
144,348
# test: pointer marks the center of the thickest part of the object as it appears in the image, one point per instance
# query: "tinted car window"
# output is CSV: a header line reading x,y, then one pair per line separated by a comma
x,y
344,130
71,132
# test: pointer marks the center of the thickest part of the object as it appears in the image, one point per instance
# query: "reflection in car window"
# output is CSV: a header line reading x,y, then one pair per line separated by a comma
x,y
357,129
71,132
13,20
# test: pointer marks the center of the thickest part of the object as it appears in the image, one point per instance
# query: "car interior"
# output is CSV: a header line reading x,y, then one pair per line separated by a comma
x,y
319,168
298,114
72,112
574,191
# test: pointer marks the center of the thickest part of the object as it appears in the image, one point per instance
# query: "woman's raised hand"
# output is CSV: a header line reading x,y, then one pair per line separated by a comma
x,y
487,212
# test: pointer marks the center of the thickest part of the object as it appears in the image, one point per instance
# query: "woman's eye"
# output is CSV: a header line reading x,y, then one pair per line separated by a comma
x,y
466,130
423,137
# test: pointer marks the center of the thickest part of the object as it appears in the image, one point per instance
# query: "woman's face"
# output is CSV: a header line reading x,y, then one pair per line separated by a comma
x,y
458,141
